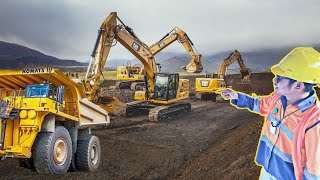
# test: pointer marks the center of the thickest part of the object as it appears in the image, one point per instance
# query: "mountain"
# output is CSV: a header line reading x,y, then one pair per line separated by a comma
x,y
160,57
13,56
118,62
257,61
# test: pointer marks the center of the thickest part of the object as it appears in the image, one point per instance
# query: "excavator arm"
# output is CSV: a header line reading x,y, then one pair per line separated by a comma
x,y
161,89
178,35
235,56
99,55
114,30
109,33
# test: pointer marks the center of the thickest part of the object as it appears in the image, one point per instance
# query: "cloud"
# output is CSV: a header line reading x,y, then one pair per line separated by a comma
x,y
68,28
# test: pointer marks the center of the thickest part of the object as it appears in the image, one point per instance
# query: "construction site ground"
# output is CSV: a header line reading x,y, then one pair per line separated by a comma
x,y
213,141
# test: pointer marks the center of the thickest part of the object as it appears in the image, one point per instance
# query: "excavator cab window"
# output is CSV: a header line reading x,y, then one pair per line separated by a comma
x,y
130,73
161,87
123,71
166,86
173,86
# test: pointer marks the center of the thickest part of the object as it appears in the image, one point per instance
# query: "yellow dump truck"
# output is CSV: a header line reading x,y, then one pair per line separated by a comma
x,y
46,121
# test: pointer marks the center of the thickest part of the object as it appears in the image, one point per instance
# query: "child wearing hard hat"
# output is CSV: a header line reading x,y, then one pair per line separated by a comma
x,y
289,146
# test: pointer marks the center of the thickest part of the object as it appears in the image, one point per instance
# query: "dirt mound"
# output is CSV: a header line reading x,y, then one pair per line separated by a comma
x,y
124,95
260,84
232,156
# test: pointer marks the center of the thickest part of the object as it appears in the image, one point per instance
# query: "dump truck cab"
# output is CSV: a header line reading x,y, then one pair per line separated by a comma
x,y
46,121
45,90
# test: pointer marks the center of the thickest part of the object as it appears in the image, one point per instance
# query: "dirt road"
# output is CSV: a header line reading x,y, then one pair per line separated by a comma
x,y
171,149
213,141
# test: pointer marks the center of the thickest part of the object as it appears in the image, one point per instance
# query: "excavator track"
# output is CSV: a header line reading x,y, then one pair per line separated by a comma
x,y
138,86
210,96
156,113
164,112
123,84
130,85
138,108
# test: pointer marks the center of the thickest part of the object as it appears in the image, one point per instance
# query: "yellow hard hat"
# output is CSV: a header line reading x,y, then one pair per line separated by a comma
x,y
301,64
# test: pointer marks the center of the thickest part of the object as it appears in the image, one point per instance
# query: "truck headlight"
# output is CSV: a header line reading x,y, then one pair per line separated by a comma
x,y
23,114
32,114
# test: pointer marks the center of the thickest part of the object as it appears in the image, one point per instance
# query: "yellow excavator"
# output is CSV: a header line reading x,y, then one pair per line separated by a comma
x,y
206,87
132,76
163,99
161,88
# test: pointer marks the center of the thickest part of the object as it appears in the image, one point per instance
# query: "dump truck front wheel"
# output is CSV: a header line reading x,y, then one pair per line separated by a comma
x,y
52,152
89,154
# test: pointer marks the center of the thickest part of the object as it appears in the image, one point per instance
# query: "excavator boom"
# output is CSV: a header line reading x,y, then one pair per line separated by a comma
x,y
178,35
109,33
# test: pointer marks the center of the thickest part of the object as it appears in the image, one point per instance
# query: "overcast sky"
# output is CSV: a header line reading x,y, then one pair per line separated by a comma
x,y
67,29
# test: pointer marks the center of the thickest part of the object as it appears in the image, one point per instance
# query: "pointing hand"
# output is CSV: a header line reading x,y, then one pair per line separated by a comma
x,y
228,94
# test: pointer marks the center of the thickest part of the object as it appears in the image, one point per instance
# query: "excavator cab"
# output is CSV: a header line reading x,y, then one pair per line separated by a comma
x,y
166,86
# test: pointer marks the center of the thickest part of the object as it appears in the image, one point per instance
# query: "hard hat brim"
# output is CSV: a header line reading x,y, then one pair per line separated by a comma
x,y
277,71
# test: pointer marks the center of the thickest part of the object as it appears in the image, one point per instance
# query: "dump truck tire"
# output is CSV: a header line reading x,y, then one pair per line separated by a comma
x,y
89,154
52,152
73,165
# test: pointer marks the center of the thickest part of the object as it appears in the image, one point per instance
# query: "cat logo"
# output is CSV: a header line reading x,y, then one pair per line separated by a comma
x,y
135,46
161,44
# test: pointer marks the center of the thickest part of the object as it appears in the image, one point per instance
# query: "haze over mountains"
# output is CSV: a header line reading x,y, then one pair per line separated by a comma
x,y
14,56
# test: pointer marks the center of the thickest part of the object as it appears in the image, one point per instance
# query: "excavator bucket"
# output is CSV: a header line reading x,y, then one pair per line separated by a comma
x,y
112,104
246,75
194,66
